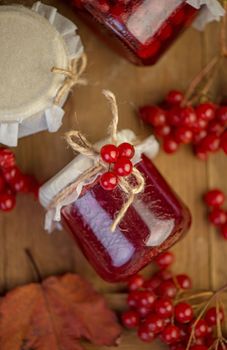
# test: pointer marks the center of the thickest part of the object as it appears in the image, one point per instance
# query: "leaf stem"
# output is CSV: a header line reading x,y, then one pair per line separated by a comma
x,y
34,264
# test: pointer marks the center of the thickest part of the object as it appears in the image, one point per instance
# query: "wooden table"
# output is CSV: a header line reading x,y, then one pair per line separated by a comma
x,y
202,254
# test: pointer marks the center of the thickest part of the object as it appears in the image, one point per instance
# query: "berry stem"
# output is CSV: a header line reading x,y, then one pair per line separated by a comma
x,y
223,31
196,296
214,297
199,78
211,68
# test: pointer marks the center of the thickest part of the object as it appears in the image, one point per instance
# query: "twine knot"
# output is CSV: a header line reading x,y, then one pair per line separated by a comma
x,y
130,185
73,74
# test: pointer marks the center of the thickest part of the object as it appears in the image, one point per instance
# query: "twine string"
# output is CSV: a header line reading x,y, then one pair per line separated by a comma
x,y
72,76
131,185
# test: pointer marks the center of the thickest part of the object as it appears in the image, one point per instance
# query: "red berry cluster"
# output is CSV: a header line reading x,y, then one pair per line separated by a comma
x,y
157,309
204,126
12,181
214,199
119,159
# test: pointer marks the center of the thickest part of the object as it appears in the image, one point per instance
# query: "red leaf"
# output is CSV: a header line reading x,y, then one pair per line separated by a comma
x,y
54,315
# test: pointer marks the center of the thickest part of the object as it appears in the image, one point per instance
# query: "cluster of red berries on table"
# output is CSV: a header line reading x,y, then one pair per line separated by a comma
x,y
158,309
119,160
203,126
13,181
215,199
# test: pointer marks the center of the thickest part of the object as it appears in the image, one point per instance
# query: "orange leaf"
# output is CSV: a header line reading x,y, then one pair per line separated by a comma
x,y
54,315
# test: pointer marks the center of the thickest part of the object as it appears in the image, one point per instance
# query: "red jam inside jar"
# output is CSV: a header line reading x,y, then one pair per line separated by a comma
x,y
140,30
156,220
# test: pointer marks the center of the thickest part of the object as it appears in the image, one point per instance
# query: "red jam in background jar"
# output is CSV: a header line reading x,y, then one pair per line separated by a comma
x,y
153,223
140,30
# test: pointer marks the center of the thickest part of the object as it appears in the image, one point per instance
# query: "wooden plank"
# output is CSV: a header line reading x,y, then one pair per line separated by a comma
x,y
201,254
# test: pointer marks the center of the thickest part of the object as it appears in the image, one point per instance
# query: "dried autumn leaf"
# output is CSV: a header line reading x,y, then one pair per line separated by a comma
x,y
54,315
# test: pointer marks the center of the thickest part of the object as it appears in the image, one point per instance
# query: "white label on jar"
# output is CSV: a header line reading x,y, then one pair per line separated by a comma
x,y
99,221
149,16
159,229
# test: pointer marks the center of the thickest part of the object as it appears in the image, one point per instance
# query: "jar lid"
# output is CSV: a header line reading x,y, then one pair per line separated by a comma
x,y
32,41
80,164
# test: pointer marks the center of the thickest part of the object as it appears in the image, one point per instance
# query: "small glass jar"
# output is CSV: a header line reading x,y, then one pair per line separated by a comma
x,y
153,223
141,30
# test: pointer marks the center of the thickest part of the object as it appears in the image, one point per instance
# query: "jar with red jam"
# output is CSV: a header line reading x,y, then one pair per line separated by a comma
x,y
155,221
141,30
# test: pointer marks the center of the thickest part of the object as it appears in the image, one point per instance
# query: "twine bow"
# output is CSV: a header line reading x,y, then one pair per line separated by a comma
x,y
73,76
80,144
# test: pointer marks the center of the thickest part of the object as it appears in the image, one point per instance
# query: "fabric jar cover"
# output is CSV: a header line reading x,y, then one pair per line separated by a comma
x,y
211,11
32,41
76,167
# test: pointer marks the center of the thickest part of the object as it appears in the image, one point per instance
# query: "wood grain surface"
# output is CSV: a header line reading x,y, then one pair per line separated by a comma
x,y
202,254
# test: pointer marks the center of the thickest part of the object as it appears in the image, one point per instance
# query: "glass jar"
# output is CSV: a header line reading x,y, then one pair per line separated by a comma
x,y
32,42
140,30
153,223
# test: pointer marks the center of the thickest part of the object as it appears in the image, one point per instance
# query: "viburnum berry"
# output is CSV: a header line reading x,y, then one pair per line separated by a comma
x,y
123,166
125,149
221,115
146,299
173,116
135,282
132,299
174,98
199,136
143,311
152,283
164,260
183,135
145,334
171,334
177,347
109,153
210,143
155,323
7,202
167,289
164,307
184,281
206,111
198,347
223,230
200,152
201,329
164,274
7,158
11,174
108,181
2,183
218,217
198,125
20,183
153,115
223,142
215,127
211,316
162,131
214,198
170,145
183,313
188,117
130,319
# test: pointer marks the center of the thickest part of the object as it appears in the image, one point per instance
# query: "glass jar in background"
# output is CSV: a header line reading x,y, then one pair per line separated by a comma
x,y
140,30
